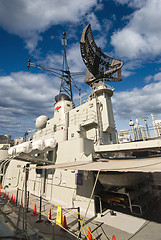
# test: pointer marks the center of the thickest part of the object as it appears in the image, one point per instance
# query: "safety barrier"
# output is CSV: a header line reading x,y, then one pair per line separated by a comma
x,y
59,219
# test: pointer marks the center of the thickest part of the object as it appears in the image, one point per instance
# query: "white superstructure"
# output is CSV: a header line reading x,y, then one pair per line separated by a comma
x,y
156,126
68,137
77,136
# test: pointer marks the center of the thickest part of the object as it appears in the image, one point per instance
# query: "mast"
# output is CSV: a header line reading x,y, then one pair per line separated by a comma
x,y
65,86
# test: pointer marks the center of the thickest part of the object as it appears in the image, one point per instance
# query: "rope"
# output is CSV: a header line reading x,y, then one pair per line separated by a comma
x,y
90,201
80,220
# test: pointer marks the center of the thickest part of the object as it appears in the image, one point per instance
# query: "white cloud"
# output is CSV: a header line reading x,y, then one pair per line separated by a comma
x,y
130,66
128,43
140,38
157,77
92,19
28,19
138,102
25,96
132,3
126,73
148,78
22,86
74,59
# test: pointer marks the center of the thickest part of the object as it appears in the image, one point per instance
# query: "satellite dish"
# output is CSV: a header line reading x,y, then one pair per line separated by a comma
x,y
99,65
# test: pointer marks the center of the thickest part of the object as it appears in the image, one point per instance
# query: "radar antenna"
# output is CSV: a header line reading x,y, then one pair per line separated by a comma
x,y
99,65
67,77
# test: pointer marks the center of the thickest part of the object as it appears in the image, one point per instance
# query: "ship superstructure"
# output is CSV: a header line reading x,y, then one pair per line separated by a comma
x,y
64,157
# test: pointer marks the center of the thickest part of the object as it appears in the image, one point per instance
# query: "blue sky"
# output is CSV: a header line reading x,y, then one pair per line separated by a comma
x,y
129,30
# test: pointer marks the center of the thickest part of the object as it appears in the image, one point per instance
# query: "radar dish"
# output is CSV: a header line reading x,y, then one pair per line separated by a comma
x,y
99,65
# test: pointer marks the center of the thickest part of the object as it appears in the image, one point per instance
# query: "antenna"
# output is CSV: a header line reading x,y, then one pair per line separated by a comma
x,y
65,85
67,77
99,65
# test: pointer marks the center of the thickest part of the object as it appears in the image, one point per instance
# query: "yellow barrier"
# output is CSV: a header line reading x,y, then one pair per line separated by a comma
x,y
59,217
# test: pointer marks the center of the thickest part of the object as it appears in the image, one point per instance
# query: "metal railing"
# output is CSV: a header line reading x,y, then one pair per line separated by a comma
x,y
140,134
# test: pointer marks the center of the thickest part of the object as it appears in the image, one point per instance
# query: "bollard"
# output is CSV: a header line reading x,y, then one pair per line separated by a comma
x,y
14,200
48,217
79,224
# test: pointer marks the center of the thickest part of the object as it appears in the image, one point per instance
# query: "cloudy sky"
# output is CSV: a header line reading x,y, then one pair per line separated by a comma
x,y
129,30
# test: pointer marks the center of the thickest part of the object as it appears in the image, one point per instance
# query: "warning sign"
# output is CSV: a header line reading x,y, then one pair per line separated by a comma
x,y
59,217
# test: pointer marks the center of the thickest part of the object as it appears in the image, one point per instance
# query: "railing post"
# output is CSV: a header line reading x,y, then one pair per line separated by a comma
x,y
53,235
28,201
17,196
79,224
40,220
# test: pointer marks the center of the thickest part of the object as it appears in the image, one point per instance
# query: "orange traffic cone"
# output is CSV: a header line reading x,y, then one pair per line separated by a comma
x,y
89,234
4,194
65,223
14,200
11,200
113,237
8,196
34,211
49,217
1,186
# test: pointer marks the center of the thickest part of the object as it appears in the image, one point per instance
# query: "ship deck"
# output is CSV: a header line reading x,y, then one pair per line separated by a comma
x,y
122,225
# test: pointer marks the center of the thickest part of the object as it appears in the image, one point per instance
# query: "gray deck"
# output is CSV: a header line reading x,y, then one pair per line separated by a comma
x,y
123,226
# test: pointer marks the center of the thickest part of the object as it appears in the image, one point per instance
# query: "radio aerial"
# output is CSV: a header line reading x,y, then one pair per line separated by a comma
x,y
67,77
99,65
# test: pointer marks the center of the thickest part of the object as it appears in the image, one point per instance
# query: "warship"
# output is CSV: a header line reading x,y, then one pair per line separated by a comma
x,y
74,159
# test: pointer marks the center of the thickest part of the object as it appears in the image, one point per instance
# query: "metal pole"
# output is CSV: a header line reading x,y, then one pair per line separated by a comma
x,y
131,123
28,201
92,193
17,197
53,237
25,204
40,220
146,124
79,224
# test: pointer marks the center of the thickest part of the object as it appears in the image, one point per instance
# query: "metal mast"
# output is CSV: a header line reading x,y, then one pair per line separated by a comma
x,y
67,77
146,124
65,86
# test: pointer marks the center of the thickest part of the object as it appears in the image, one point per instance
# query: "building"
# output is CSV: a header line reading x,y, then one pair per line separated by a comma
x,y
124,136
156,127
5,139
